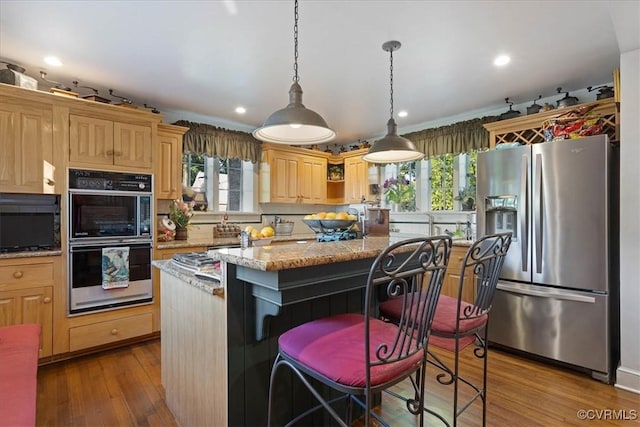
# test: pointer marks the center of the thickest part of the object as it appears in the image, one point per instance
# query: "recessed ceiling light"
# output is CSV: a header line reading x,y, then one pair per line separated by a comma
x,y
403,113
241,110
501,60
53,61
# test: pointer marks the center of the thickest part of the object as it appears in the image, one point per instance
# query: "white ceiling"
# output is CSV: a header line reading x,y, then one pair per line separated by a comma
x,y
198,60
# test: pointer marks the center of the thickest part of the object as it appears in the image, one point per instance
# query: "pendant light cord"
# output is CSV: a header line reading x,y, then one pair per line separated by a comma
x,y
391,81
295,42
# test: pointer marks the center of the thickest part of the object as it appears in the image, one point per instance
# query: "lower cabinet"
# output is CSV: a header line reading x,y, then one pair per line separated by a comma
x,y
452,277
107,332
27,294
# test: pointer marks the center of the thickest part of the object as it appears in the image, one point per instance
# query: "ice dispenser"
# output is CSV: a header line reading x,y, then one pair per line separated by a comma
x,y
501,214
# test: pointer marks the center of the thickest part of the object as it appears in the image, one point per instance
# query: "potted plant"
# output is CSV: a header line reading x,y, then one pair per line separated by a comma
x,y
467,196
400,193
181,213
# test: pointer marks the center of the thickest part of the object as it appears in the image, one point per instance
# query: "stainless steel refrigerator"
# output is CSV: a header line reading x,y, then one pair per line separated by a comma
x,y
557,295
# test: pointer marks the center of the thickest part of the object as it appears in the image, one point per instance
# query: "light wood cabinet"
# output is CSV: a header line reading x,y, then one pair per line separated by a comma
x,y
95,141
27,295
168,182
284,177
452,277
313,182
26,147
356,179
293,175
100,333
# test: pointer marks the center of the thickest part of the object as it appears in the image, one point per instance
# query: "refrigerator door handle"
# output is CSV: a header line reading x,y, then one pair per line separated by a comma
x,y
524,214
560,295
537,213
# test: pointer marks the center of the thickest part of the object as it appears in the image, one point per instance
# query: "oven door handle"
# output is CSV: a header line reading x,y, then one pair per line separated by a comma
x,y
93,248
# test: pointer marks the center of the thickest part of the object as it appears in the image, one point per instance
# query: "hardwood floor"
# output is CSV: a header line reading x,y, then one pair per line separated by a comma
x,y
122,387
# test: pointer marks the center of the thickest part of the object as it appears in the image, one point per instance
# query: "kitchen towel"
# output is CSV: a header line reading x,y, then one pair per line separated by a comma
x,y
115,267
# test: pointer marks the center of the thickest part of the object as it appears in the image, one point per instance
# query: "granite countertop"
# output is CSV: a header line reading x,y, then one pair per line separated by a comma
x,y
210,287
306,253
224,241
30,254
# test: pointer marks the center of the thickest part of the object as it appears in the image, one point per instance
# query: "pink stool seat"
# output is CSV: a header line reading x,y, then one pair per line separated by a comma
x,y
333,347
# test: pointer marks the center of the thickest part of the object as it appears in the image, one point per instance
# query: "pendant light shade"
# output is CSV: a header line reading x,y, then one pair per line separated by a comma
x,y
295,124
392,148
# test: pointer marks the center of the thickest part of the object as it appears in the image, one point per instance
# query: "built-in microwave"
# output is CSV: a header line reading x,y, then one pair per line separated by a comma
x,y
109,205
29,222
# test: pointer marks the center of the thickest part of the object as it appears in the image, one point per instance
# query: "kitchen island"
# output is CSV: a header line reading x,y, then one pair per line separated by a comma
x,y
219,338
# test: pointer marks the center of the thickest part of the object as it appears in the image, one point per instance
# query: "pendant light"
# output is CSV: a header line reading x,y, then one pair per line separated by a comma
x,y
392,148
295,124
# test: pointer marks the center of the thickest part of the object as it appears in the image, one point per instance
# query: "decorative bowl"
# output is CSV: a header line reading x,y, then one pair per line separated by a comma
x,y
322,225
261,242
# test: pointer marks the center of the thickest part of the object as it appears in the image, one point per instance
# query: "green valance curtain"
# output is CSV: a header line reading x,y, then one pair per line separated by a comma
x,y
213,141
452,139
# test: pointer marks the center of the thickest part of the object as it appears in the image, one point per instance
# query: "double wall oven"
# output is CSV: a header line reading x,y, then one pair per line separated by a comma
x,y
109,211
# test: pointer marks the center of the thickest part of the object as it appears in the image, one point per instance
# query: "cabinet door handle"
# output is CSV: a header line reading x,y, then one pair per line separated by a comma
x,y
18,274
46,300
50,182
114,331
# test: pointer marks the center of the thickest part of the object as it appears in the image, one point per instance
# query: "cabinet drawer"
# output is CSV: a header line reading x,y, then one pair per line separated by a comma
x,y
456,259
26,274
101,333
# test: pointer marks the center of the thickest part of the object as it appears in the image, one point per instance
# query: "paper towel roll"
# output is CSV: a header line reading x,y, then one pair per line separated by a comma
x,y
167,224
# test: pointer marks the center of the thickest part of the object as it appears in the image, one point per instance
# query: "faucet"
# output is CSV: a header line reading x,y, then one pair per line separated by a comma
x,y
432,226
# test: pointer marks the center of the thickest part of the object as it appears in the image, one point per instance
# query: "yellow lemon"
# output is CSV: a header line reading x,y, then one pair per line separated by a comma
x,y
330,215
321,215
248,229
308,216
268,231
351,217
342,215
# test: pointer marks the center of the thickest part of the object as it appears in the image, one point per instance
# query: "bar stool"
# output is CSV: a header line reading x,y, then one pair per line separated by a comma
x,y
360,355
458,323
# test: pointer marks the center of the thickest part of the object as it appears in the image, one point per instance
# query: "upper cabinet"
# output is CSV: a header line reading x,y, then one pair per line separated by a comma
x,y
356,178
96,141
293,175
26,147
168,167
300,175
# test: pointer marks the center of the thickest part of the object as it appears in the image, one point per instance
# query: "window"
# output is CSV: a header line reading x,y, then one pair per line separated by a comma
x,y
442,183
217,184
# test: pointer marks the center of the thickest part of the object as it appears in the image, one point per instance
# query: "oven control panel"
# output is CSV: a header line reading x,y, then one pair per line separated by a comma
x,y
81,179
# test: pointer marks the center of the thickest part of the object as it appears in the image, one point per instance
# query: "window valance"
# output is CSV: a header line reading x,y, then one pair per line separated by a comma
x,y
456,138
213,141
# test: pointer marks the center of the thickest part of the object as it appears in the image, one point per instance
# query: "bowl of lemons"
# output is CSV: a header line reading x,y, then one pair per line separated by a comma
x,y
323,221
262,237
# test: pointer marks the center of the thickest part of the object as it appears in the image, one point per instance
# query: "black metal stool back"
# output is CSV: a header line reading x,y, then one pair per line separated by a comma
x,y
360,355
459,323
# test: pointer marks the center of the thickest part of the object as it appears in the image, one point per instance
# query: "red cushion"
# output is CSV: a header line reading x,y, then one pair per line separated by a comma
x,y
19,346
444,321
334,347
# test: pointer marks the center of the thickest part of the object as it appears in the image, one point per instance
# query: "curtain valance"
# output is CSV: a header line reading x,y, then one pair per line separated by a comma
x,y
219,142
452,139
